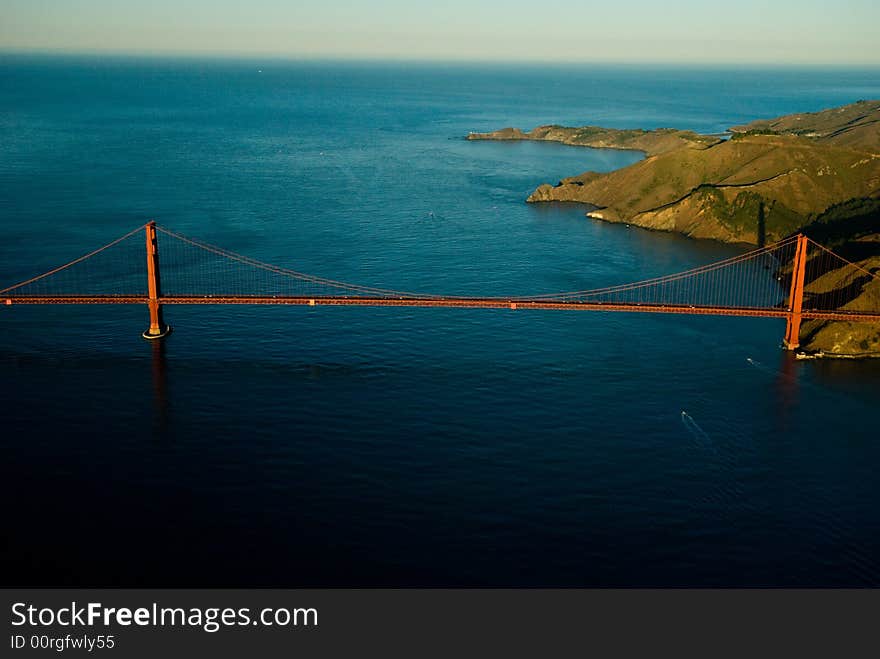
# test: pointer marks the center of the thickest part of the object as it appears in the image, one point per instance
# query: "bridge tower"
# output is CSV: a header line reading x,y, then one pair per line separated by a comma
x,y
158,329
796,296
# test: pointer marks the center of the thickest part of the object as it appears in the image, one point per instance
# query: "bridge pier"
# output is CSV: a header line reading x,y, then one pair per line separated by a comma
x,y
796,296
157,329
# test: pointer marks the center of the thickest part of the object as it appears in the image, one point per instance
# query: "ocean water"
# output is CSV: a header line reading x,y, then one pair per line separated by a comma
x,y
403,447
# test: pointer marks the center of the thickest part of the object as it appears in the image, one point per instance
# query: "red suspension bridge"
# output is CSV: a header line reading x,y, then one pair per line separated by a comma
x,y
795,278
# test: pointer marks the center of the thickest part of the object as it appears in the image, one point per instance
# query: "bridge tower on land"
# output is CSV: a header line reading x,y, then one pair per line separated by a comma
x,y
796,296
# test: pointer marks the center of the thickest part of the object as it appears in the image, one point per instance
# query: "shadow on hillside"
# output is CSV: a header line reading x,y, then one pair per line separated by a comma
x,y
839,227
837,297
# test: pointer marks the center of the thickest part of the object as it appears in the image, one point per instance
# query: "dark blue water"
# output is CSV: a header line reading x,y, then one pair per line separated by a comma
x,y
395,447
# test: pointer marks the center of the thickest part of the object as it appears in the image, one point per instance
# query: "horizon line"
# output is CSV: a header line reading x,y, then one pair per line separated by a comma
x,y
368,59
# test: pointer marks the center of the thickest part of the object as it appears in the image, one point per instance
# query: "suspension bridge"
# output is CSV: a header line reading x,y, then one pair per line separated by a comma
x,y
796,279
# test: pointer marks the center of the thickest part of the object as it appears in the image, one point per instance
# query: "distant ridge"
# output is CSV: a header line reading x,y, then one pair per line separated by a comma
x,y
856,125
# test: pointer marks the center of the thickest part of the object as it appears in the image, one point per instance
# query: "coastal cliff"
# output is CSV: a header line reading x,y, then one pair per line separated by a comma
x,y
720,192
812,172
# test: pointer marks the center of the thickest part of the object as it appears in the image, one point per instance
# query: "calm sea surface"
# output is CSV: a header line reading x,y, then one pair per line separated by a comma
x,y
398,447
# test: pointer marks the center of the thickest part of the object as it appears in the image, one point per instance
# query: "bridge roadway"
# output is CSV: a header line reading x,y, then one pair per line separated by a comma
x,y
444,302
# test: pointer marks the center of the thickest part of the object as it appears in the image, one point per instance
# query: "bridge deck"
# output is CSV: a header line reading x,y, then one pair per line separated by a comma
x,y
451,302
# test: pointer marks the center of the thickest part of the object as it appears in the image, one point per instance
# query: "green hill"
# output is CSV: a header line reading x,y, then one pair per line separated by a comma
x,y
772,177
749,189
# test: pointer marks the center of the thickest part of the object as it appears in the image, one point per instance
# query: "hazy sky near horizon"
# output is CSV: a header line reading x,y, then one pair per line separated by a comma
x,y
682,31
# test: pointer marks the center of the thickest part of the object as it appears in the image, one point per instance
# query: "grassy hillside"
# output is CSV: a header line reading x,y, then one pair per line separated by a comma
x,y
720,192
767,181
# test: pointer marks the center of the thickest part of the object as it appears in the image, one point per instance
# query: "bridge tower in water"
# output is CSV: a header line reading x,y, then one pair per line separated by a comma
x,y
749,284
158,329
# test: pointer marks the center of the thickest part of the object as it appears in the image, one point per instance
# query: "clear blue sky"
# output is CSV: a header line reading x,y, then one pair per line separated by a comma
x,y
737,31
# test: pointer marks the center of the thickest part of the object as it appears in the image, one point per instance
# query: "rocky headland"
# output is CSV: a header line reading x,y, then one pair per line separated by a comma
x,y
818,173
651,142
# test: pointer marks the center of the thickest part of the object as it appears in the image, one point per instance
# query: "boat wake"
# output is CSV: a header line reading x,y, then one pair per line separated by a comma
x,y
702,438
759,365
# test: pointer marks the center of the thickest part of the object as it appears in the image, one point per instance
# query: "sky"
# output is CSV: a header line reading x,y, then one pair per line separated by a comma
x,y
780,32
